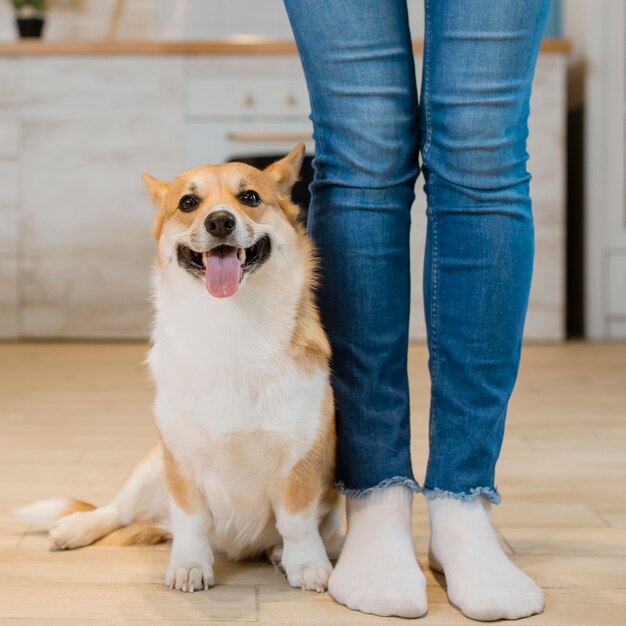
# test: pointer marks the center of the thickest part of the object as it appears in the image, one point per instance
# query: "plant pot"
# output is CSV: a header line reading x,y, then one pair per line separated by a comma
x,y
29,26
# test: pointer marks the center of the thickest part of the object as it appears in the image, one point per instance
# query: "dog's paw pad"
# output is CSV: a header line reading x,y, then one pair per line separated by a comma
x,y
310,576
190,577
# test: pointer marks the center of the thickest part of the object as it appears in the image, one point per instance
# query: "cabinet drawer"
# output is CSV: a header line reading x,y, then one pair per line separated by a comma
x,y
214,96
216,142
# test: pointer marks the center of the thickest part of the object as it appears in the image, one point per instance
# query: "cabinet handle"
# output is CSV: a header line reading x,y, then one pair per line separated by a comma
x,y
269,136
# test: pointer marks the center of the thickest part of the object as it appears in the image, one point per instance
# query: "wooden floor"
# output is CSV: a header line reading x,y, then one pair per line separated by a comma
x,y
74,417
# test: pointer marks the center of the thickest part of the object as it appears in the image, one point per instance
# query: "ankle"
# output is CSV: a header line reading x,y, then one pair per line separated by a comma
x,y
394,497
457,526
450,510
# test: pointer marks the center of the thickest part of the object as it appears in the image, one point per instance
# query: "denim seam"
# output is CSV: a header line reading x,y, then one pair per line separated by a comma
x,y
319,149
388,482
434,299
434,310
426,82
488,492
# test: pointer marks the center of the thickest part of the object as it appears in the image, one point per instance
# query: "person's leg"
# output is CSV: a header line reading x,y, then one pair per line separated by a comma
x,y
478,68
359,67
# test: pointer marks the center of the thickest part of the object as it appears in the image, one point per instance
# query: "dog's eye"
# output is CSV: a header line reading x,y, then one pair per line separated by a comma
x,y
251,198
188,203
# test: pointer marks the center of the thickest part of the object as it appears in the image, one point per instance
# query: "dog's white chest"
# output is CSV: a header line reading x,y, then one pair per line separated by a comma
x,y
238,429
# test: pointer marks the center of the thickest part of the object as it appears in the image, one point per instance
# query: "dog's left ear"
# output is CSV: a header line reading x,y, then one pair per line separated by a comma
x,y
285,172
157,189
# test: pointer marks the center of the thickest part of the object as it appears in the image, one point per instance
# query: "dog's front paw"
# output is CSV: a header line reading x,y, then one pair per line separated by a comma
x,y
75,531
189,577
312,576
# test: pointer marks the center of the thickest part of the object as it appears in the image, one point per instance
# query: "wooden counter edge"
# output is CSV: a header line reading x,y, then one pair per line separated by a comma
x,y
230,46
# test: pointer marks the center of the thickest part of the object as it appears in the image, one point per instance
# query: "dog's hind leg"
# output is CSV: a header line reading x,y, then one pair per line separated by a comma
x,y
142,497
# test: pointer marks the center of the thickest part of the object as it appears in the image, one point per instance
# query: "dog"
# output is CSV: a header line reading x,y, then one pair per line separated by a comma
x,y
244,405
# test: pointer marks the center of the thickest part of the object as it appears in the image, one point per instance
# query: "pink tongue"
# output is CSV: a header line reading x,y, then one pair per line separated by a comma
x,y
223,271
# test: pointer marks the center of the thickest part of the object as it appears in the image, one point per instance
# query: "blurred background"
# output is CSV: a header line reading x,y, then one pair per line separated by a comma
x,y
114,88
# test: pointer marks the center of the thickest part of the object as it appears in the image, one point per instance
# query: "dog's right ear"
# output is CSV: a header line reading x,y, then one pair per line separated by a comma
x,y
157,189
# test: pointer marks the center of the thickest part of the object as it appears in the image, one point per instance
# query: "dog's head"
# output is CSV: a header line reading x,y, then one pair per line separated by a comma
x,y
223,223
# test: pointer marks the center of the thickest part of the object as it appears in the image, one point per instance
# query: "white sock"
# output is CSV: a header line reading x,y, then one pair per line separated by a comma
x,y
481,580
377,571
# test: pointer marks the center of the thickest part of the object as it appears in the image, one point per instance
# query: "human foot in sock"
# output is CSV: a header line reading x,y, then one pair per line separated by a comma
x,y
481,580
377,571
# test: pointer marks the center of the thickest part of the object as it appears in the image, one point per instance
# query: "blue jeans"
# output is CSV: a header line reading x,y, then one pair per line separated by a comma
x,y
470,127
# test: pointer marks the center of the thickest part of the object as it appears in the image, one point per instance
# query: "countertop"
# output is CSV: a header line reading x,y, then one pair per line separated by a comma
x,y
232,45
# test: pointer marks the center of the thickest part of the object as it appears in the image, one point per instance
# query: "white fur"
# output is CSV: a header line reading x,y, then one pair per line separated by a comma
x,y
227,393
43,514
304,556
191,559
84,527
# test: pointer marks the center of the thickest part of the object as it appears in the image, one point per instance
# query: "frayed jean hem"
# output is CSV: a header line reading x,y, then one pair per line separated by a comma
x,y
388,482
491,494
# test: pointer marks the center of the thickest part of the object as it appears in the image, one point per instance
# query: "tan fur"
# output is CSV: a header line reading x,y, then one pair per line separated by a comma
x,y
309,345
285,172
182,489
222,186
77,506
154,451
312,477
135,534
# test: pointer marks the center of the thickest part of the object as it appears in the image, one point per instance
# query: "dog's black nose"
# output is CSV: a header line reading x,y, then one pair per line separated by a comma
x,y
220,224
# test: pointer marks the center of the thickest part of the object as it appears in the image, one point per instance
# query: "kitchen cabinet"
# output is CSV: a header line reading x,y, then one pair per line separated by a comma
x,y
79,125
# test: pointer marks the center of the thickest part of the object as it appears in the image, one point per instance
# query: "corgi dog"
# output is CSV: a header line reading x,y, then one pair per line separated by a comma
x,y
244,406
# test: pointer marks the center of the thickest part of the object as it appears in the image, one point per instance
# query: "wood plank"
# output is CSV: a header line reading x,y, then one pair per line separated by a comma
x,y
566,541
574,572
565,607
20,599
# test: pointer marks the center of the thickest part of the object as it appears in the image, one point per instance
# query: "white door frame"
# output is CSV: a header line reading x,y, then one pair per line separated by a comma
x,y
605,163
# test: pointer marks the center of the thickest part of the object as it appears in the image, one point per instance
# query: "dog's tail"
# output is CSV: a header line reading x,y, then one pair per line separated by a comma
x,y
43,514
92,526
136,534
138,515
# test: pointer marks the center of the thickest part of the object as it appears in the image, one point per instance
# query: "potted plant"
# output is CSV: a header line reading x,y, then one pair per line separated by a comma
x,y
29,15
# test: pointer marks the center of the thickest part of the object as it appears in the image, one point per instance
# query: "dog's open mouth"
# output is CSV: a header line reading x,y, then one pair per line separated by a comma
x,y
224,266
